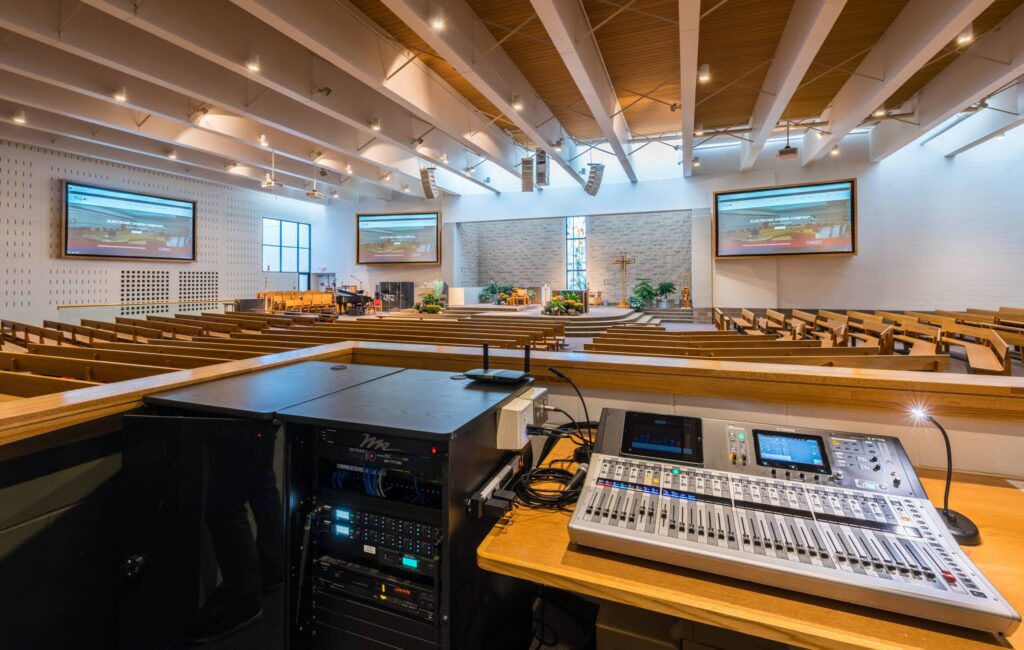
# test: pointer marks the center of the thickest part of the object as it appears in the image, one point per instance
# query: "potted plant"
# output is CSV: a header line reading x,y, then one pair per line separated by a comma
x,y
488,293
664,290
635,303
555,307
644,291
429,304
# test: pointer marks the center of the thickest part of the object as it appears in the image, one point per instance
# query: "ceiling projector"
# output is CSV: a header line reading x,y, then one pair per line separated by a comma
x,y
270,183
787,153
314,194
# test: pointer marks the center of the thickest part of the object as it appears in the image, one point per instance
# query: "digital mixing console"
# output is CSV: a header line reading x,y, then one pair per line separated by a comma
x,y
838,515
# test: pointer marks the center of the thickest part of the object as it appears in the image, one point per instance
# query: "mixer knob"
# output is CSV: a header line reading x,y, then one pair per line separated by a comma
x,y
896,482
774,472
876,468
788,473
874,459
801,476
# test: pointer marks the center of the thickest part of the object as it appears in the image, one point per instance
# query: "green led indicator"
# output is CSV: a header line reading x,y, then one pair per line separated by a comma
x,y
743,436
675,470
410,562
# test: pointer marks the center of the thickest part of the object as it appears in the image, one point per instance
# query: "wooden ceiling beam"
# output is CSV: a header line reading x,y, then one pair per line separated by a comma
x,y
810,21
993,61
917,34
496,76
689,35
569,27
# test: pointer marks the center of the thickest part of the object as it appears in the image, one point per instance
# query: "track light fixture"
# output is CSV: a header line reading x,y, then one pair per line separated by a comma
x,y
263,140
696,161
1001,136
517,103
19,117
417,143
405,188
471,169
232,166
172,154
121,94
324,90
322,172
252,64
444,158
704,73
197,115
386,177
437,23
879,112
375,123
674,107
334,194
965,36
698,129
348,169
558,144
835,151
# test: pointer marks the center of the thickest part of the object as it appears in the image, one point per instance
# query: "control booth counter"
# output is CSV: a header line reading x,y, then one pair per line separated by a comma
x,y
376,467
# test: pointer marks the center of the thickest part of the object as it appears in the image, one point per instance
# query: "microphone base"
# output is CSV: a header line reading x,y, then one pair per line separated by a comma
x,y
964,531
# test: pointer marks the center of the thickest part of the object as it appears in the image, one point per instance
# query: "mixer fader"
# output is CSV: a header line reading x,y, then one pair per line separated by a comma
x,y
832,514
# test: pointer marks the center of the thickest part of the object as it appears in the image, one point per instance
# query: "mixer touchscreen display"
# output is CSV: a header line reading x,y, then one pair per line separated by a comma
x,y
805,453
671,437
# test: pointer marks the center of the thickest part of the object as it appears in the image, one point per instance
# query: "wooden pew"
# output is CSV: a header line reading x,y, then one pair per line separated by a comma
x,y
720,320
90,333
862,316
730,352
719,343
825,317
873,334
9,330
895,317
798,316
173,328
268,320
242,325
206,327
935,363
83,369
134,331
834,333
922,339
178,361
496,340
747,321
987,352
694,336
194,349
256,342
776,320
539,334
17,384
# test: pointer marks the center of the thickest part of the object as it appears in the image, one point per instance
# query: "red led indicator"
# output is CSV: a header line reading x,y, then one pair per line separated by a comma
x,y
433,450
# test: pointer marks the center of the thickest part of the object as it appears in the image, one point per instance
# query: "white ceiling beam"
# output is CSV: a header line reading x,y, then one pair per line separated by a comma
x,y
569,28
809,23
1005,112
689,38
468,45
29,58
229,37
55,142
990,63
919,32
59,124
101,115
98,37
343,36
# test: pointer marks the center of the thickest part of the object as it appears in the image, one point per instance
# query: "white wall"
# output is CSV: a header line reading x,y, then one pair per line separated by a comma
x,y
34,279
933,232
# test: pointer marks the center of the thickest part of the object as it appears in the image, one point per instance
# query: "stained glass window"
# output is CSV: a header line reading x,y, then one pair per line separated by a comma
x,y
576,253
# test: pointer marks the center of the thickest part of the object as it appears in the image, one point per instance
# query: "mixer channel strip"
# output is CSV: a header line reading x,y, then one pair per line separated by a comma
x,y
882,540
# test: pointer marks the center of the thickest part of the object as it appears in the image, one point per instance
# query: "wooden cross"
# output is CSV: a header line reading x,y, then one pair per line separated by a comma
x,y
623,261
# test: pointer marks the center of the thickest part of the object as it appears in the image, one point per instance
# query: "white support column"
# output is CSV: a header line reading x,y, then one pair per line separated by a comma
x,y
569,28
343,36
918,33
994,60
1005,111
809,23
689,36
461,44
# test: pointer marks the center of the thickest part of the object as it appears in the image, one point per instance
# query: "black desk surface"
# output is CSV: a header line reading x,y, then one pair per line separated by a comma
x,y
426,402
261,394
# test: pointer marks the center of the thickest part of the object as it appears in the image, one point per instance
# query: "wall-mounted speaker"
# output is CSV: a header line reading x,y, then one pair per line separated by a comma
x,y
594,180
427,177
542,168
527,172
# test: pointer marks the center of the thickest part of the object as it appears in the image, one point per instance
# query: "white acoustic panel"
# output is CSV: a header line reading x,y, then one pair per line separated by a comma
x,y
35,280
144,286
198,285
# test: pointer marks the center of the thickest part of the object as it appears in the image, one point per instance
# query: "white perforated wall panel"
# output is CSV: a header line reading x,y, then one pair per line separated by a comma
x,y
34,280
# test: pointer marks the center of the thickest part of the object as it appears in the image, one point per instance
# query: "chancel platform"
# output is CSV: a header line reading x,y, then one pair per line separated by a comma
x,y
535,546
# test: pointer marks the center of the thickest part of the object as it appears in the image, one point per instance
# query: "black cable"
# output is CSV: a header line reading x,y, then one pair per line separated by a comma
x,y
558,373
530,495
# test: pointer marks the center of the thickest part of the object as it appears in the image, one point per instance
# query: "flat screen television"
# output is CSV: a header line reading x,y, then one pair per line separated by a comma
x,y
401,238
101,222
808,219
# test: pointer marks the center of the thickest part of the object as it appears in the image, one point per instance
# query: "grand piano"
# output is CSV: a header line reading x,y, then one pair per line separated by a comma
x,y
352,303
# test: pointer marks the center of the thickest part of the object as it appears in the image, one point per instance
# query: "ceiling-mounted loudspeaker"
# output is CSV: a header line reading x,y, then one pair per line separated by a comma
x,y
594,180
527,171
542,168
427,177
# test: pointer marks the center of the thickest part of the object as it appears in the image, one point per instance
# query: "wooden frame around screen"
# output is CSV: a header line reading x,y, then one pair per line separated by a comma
x,y
64,227
437,244
853,220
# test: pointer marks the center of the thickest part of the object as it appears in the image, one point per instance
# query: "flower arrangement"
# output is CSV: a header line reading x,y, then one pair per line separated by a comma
x,y
429,304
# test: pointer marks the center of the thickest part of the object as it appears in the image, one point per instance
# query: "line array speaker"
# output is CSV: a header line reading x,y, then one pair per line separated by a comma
x,y
428,178
527,172
594,180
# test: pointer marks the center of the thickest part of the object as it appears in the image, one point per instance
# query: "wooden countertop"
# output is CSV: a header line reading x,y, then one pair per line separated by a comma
x,y
534,545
